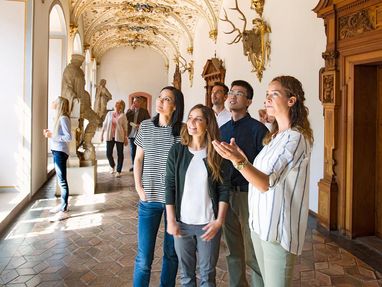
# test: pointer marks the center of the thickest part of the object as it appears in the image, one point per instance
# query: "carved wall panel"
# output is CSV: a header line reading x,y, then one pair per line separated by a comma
x,y
354,37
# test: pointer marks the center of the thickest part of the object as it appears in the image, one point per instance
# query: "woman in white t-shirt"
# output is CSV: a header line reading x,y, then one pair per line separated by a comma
x,y
278,195
197,195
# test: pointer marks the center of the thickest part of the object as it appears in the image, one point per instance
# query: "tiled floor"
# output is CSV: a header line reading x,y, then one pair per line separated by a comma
x,y
96,246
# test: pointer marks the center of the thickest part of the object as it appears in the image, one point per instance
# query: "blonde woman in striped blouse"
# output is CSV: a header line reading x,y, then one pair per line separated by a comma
x,y
279,179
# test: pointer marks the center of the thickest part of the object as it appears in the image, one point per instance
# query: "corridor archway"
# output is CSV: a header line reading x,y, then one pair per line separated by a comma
x,y
57,62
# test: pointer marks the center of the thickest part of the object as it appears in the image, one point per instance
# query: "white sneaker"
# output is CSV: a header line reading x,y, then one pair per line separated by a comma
x,y
55,209
62,215
112,170
118,175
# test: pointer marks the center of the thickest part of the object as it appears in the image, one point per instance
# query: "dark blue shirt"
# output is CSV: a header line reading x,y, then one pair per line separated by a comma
x,y
249,134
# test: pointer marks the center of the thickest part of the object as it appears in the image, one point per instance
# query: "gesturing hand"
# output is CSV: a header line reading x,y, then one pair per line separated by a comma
x,y
229,151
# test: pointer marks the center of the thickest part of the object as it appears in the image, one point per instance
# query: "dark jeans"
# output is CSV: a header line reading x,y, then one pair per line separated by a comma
x,y
109,154
60,158
149,218
133,149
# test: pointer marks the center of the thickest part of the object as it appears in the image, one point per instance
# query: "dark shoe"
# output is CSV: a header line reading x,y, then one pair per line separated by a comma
x,y
131,169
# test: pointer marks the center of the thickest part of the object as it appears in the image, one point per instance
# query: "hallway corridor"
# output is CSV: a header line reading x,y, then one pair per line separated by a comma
x,y
96,246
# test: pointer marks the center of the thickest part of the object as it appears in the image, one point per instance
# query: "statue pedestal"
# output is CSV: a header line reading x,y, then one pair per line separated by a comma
x,y
81,180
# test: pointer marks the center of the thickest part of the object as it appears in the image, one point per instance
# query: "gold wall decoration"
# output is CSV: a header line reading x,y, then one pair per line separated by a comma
x,y
72,30
258,6
256,43
214,35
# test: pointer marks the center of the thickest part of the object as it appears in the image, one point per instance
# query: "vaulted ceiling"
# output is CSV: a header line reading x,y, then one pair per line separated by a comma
x,y
159,24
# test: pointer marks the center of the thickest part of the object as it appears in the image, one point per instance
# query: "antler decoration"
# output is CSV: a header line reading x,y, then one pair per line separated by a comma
x,y
184,66
256,43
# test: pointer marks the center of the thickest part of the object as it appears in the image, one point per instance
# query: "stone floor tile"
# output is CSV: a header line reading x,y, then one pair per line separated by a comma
x,y
97,245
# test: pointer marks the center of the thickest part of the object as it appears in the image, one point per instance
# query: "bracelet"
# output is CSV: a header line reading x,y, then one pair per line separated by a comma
x,y
241,164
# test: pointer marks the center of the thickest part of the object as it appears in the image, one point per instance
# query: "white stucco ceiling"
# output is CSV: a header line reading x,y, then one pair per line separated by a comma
x,y
160,24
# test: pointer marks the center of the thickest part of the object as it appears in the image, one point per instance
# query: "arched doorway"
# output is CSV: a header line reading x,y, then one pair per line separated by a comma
x,y
57,62
146,100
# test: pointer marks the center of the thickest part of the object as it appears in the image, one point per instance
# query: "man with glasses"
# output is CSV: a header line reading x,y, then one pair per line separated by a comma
x,y
218,97
248,134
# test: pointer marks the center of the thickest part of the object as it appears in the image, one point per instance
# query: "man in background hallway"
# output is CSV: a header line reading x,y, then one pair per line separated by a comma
x,y
135,115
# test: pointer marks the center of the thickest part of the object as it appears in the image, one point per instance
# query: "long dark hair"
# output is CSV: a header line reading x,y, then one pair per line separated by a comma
x,y
298,113
177,115
214,160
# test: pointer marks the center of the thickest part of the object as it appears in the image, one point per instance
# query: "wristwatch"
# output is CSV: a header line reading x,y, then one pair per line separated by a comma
x,y
241,164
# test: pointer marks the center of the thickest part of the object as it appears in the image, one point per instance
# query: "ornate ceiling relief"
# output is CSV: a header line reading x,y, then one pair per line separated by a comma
x,y
159,24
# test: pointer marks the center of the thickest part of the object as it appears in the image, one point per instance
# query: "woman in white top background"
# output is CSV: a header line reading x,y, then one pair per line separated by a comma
x,y
197,196
115,126
279,179
59,139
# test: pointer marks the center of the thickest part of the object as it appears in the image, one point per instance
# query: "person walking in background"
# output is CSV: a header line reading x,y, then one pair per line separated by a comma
x,y
196,209
135,115
219,94
154,139
59,139
279,182
249,134
115,126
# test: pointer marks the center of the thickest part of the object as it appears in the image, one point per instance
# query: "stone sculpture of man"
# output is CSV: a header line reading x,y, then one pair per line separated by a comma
x,y
102,97
73,88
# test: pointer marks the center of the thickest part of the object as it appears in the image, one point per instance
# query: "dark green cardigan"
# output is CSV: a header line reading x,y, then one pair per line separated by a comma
x,y
178,160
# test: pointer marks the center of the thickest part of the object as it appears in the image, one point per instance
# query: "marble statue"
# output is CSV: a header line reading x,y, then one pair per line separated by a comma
x,y
73,88
102,97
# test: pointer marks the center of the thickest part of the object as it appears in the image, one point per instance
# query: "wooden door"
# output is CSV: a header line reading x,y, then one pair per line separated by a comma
x,y
378,191
367,157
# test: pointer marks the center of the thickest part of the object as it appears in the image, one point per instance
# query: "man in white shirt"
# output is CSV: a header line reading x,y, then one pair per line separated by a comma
x,y
219,94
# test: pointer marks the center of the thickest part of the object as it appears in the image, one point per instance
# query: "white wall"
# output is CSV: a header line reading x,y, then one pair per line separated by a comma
x,y
297,41
39,95
12,35
128,71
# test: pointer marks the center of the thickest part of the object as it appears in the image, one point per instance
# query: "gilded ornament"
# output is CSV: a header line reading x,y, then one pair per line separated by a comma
x,y
258,6
256,43
214,35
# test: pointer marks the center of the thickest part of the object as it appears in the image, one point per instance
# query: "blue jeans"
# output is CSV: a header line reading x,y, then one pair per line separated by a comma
x,y
133,149
60,158
109,154
149,218
208,254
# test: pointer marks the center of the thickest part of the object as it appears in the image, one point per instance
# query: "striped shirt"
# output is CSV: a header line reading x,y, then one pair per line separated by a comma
x,y
281,214
156,143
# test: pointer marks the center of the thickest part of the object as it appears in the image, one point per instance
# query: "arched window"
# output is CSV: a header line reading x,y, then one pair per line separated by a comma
x,y
77,44
57,61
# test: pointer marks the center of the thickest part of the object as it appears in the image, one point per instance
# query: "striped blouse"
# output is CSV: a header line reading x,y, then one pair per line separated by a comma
x,y
281,214
156,143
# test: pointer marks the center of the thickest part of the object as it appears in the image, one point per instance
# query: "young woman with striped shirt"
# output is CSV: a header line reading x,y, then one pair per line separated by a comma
x,y
279,180
154,139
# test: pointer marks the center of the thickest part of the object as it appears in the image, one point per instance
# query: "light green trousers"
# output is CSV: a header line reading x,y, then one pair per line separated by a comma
x,y
276,264
238,239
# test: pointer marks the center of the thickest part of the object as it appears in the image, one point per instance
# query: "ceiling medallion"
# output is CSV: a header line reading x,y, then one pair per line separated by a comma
x,y
256,43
